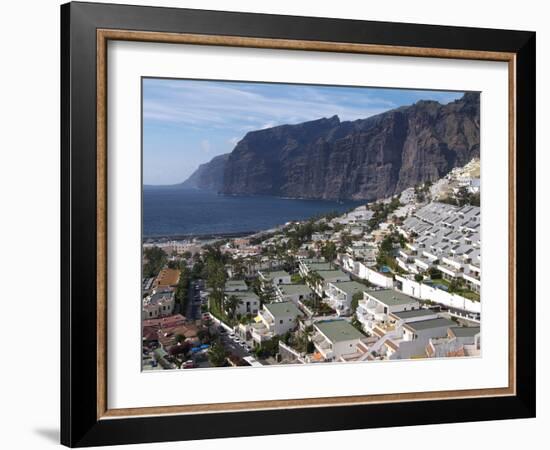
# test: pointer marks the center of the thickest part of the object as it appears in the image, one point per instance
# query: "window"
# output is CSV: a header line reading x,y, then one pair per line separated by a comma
x,y
281,321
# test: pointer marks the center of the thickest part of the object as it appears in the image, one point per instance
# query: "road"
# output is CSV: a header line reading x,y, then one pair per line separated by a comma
x,y
193,310
233,348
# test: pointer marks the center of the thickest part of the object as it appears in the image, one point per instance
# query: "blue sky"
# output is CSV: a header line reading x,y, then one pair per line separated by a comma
x,y
188,122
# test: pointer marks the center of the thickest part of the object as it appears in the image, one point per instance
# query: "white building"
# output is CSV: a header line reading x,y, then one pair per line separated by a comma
x,y
426,329
159,304
235,286
249,302
274,277
376,306
293,292
335,339
340,295
323,277
275,319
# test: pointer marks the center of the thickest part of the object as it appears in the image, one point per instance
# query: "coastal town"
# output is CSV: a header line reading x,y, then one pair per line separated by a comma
x,y
394,279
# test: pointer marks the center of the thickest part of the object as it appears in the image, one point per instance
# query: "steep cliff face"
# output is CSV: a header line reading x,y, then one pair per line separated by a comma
x,y
208,176
365,159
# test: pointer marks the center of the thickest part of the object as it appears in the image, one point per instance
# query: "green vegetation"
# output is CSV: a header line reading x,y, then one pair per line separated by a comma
x,y
357,325
462,197
422,191
232,304
385,255
182,289
355,301
381,212
457,287
217,354
296,278
329,251
216,276
156,259
268,348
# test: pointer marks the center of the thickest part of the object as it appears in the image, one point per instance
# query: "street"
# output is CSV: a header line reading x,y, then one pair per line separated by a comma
x,y
193,309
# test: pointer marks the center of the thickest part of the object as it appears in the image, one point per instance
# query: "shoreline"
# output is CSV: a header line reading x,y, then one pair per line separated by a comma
x,y
204,236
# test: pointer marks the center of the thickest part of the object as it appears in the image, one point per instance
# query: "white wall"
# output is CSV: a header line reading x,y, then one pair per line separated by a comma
x,y
425,292
374,277
29,169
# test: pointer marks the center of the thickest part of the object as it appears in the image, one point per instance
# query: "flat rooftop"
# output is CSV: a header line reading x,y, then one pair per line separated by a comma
x,y
274,274
291,289
350,287
243,294
413,313
329,274
320,266
235,284
338,330
168,277
430,323
282,309
391,297
465,331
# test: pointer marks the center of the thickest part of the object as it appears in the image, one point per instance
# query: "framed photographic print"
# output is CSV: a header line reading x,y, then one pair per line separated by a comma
x,y
276,224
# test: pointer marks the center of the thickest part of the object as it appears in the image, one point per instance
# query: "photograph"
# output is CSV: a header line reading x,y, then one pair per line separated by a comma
x,y
288,223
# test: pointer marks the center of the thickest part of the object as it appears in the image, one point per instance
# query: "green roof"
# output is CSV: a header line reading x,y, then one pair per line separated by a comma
x,y
413,313
391,297
235,284
320,266
313,260
430,323
243,295
282,309
291,289
274,274
350,287
329,274
465,331
338,330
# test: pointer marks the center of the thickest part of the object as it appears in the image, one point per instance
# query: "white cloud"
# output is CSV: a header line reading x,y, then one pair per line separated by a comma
x,y
205,146
234,107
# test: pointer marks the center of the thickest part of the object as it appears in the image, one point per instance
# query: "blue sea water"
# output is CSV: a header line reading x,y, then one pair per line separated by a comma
x,y
173,211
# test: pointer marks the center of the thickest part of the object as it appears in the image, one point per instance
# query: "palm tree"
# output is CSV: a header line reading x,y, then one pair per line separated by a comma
x,y
231,304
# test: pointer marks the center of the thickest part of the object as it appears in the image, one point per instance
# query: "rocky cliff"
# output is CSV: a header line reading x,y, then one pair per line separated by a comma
x,y
208,176
365,159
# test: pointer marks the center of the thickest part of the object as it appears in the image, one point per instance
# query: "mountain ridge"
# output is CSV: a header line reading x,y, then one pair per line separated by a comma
x,y
365,159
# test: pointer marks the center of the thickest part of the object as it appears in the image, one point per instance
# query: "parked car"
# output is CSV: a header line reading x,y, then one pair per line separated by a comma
x,y
189,364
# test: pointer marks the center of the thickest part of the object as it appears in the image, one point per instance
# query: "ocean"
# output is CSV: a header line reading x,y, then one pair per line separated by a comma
x,y
173,211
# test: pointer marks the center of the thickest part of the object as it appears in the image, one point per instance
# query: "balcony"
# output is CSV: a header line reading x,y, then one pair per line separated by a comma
x,y
260,333
266,318
322,345
450,270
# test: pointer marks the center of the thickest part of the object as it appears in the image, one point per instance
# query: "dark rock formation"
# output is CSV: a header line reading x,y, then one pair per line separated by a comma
x,y
208,176
366,159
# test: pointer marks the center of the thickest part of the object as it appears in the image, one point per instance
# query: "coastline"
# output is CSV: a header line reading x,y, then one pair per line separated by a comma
x,y
205,236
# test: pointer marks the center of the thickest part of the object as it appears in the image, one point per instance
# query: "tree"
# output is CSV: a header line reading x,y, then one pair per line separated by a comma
x,y
329,251
418,278
156,259
355,301
267,293
217,354
231,304
215,270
